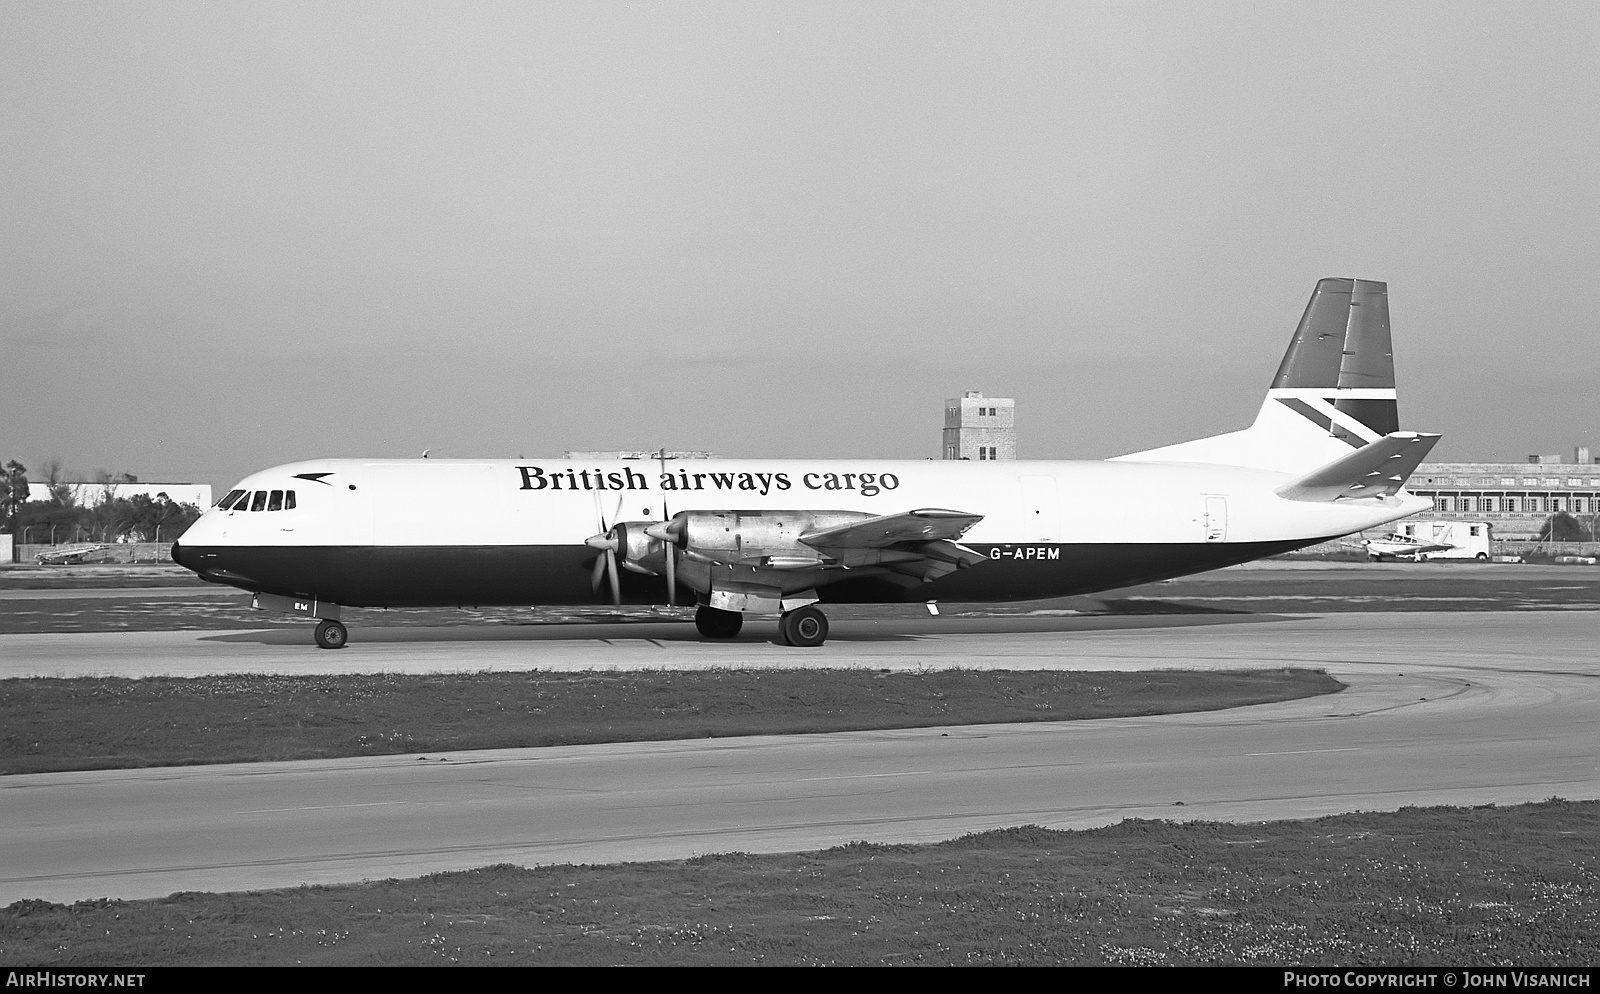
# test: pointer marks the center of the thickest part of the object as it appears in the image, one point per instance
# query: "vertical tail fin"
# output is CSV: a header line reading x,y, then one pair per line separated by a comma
x,y
1342,352
1334,391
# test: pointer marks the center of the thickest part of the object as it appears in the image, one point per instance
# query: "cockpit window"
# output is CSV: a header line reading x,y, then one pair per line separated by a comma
x,y
260,500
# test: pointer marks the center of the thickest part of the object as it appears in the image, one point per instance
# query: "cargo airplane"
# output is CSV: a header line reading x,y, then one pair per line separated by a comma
x,y
1324,458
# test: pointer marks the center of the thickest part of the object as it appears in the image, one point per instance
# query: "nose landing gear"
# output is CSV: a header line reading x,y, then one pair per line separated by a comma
x,y
806,627
330,633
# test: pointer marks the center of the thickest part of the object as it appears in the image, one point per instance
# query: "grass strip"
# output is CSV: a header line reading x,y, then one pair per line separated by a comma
x,y
105,723
1435,886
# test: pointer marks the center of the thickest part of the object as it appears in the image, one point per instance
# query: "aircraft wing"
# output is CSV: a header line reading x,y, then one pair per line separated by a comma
x,y
919,544
928,524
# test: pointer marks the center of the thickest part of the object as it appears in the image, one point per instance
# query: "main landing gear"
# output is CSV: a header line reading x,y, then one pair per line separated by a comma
x,y
332,635
715,623
806,627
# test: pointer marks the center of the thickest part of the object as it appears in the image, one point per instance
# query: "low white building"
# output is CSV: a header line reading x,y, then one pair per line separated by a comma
x,y
1517,498
91,494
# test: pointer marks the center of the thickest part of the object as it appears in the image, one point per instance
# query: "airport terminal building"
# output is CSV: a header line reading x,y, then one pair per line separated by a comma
x,y
1515,498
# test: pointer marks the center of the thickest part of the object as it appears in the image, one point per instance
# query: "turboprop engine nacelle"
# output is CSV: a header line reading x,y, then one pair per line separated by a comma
x,y
765,538
638,551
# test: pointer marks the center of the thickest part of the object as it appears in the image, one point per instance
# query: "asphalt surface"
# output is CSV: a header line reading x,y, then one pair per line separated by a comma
x,y
1443,708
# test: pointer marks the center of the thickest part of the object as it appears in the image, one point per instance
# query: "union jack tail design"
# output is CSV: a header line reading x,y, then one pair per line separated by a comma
x,y
1333,393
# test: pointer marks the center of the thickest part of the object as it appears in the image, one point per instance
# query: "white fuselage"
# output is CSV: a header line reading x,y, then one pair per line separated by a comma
x,y
1174,518
488,502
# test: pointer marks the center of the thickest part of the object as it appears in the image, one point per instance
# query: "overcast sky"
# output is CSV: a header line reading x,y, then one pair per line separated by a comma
x,y
239,234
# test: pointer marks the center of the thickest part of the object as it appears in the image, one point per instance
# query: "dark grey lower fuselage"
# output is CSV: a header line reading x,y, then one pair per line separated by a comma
x,y
450,576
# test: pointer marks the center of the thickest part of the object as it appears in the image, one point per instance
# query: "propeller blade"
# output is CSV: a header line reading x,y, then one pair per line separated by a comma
x,y
608,542
672,575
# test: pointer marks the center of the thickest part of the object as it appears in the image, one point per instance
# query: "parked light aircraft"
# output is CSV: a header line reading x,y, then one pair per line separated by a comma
x,y
1324,458
69,556
1400,545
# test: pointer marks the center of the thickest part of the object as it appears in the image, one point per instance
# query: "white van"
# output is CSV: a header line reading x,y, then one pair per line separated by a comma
x,y
1461,539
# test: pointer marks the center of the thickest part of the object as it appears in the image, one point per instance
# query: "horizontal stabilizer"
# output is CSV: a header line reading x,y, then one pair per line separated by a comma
x,y
1379,469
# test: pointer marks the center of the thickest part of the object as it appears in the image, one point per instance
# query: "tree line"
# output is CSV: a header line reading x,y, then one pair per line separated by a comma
x,y
1564,527
60,518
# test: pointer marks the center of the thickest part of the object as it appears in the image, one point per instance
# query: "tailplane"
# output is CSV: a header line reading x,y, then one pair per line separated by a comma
x,y
1334,391
1376,470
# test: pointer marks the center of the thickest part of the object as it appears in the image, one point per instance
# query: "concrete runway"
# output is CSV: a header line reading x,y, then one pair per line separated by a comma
x,y
1445,708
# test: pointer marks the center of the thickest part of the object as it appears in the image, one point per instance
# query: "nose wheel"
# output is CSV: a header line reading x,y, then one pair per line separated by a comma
x,y
332,635
806,627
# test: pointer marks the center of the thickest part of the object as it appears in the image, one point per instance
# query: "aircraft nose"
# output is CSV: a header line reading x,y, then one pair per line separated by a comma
x,y
177,554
